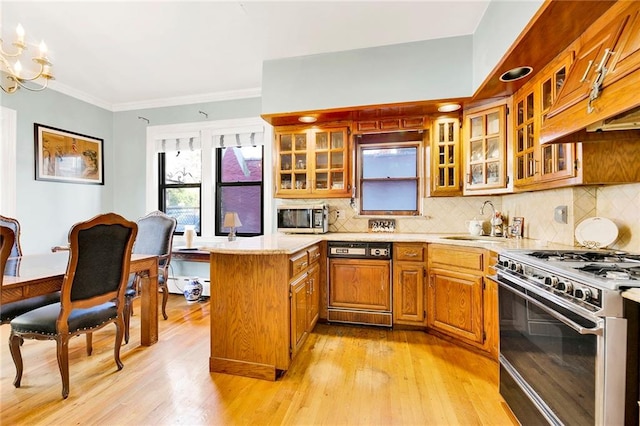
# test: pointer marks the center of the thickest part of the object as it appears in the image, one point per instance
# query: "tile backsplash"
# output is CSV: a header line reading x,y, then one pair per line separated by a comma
x,y
620,203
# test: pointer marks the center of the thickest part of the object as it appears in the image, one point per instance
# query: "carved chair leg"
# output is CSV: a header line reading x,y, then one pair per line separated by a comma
x,y
165,298
15,341
62,346
116,349
89,343
127,314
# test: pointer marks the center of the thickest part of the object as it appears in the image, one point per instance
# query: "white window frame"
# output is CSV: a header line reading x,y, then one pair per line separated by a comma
x,y
8,159
205,131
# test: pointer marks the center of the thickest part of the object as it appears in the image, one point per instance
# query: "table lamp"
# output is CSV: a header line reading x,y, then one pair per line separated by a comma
x,y
231,221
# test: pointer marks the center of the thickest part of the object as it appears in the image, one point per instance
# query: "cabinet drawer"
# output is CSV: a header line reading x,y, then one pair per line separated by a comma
x,y
465,258
314,254
408,252
298,263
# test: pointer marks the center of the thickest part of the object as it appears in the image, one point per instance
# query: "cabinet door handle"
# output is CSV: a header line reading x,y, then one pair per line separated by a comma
x,y
586,72
607,52
411,254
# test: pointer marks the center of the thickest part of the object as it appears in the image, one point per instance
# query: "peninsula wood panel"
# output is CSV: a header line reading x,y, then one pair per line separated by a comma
x,y
250,315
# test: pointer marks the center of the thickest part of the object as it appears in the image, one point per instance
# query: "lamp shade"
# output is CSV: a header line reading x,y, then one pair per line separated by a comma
x,y
231,220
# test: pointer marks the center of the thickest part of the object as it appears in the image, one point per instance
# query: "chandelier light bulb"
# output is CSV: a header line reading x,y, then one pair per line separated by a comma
x,y
17,68
43,49
20,33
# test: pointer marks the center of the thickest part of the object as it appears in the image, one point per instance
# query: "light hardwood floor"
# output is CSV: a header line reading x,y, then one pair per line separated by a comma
x,y
343,375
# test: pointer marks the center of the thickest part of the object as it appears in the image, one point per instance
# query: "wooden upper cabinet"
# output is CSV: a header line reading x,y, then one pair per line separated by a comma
x,y
312,163
585,71
535,163
485,149
605,77
625,58
445,157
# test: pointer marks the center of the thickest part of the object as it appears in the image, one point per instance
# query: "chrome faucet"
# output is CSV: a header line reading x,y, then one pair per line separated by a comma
x,y
493,216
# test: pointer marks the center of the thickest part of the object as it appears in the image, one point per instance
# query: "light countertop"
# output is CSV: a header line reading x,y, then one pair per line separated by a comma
x,y
290,243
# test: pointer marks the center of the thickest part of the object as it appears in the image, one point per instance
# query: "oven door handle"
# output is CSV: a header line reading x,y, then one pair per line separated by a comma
x,y
574,325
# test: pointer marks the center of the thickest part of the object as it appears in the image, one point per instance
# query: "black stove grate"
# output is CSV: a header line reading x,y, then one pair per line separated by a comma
x,y
612,271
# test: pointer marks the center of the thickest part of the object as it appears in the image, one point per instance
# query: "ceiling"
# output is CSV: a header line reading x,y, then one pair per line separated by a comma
x,y
124,54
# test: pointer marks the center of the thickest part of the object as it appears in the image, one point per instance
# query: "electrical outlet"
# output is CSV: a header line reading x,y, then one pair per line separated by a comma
x,y
340,214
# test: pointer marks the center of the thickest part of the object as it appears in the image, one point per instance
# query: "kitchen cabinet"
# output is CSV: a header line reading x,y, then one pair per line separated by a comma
x,y
456,293
312,163
584,72
299,313
534,163
391,124
263,307
445,157
484,149
304,294
604,79
409,278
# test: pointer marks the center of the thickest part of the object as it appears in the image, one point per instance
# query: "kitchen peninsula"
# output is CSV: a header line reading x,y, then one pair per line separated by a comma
x,y
266,293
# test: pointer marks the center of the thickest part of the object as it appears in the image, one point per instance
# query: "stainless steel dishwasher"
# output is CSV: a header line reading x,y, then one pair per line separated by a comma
x,y
359,283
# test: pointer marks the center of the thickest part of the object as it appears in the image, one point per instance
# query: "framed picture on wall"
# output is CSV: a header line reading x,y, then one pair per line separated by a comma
x,y
64,156
517,227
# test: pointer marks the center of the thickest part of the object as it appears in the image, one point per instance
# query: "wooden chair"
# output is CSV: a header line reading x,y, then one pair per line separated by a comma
x,y
155,236
14,225
92,294
8,311
7,237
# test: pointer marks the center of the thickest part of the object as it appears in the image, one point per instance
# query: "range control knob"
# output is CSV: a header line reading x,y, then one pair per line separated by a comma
x,y
565,286
551,281
515,266
582,293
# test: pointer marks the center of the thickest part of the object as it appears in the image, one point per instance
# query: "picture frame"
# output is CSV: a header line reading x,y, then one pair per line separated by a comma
x,y
517,227
65,156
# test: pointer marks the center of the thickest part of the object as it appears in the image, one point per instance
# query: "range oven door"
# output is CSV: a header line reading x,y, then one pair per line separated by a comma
x,y
557,364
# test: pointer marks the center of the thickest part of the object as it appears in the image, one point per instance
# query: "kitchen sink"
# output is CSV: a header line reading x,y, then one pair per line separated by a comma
x,y
479,239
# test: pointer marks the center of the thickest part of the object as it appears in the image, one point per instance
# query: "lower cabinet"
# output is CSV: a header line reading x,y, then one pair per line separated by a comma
x,y
455,305
460,298
299,313
304,294
409,278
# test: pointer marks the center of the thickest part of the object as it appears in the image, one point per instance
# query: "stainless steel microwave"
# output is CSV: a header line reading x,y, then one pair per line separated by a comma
x,y
303,218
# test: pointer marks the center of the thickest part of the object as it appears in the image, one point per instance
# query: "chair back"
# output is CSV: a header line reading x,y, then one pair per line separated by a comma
x,y
7,238
155,236
14,225
99,261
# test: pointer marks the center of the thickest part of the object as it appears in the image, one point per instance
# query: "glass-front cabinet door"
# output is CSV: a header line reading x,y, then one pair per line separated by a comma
x,y
312,162
557,159
485,146
526,135
292,162
445,164
329,171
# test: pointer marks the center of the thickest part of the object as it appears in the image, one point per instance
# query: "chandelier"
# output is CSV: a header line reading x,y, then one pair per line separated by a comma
x,y
14,77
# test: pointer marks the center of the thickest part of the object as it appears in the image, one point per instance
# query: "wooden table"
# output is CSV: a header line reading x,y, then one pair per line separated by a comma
x,y
191,255
43,273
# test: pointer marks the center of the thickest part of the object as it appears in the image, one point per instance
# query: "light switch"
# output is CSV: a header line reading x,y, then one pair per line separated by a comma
x,y
560,214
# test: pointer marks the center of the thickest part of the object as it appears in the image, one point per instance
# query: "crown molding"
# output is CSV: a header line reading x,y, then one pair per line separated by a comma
x,y
78,94
156,103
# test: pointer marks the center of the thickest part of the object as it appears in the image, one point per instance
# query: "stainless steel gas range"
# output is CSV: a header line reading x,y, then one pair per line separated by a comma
x,y
565,341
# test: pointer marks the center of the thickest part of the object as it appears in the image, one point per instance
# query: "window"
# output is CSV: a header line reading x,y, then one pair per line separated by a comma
x,y
390,173
207,169
239,188
180,186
